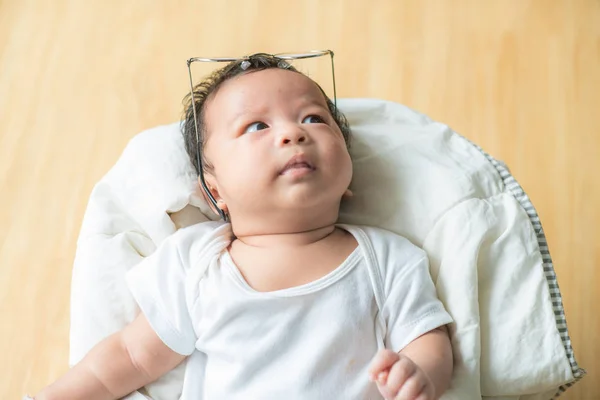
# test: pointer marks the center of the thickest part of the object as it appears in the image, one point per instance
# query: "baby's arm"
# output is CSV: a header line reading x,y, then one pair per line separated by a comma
x,y
115,367
422,370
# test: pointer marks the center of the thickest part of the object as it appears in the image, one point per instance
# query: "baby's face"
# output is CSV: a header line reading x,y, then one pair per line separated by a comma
x,y
273,145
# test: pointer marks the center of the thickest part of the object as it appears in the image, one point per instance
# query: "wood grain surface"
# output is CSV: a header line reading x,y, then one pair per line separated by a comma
x,y
78,79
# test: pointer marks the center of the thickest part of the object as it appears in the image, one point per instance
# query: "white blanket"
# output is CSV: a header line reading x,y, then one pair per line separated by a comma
x,y
413,176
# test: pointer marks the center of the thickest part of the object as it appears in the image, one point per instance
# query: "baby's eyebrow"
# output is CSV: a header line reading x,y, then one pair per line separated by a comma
x,y
258,111
312,101
244,112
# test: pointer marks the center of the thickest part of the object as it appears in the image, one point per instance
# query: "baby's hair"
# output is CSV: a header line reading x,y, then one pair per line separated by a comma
x,y
209,85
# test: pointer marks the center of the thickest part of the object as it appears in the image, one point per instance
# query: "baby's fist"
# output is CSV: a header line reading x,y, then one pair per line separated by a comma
x,y
399,378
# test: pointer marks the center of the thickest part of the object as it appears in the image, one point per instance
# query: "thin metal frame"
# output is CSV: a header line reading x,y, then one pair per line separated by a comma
x,y
281,56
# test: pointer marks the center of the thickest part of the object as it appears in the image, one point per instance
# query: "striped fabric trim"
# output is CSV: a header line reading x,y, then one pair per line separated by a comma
x,y
561,323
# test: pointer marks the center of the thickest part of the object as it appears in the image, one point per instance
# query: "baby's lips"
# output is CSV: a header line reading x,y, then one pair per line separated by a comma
x,y
298,160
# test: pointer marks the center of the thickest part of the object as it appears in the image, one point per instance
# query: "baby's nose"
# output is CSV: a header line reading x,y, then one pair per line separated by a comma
x,y
292,135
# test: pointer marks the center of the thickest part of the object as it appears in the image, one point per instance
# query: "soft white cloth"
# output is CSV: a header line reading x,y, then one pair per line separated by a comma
x,y
412,176
313,341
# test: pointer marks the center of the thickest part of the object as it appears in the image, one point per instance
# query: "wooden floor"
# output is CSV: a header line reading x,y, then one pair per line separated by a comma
x,y
79,78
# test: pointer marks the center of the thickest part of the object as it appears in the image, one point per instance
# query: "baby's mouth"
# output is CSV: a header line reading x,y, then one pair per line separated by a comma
x,y
297,164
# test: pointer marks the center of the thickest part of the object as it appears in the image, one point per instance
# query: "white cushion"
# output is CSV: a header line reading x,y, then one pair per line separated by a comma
x,y
418,178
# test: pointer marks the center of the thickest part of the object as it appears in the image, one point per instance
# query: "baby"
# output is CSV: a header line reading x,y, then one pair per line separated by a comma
x,y
281,302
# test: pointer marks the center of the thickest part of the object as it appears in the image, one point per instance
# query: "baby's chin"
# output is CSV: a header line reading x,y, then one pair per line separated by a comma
x,y
308,195
291,202
286,216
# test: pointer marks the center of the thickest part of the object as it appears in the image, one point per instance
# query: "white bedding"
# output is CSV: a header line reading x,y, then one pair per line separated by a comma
x,y
413,176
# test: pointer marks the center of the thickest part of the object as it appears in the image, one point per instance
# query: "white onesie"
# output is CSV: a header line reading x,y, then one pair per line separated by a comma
x,y
313,341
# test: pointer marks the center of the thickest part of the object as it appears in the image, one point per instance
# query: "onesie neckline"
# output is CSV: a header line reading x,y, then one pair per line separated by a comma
x,y
307,288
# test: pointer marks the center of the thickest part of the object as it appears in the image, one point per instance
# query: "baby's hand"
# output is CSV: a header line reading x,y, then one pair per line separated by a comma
x,y
399,378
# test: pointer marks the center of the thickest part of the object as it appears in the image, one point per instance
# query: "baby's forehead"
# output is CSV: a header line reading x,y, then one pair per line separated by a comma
x,y
254,86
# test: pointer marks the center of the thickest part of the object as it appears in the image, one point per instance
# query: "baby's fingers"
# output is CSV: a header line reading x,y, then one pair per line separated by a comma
x,y
400,378
382,361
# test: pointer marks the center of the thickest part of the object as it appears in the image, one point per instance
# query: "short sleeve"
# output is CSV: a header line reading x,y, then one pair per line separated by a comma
x,y
158,284
411,307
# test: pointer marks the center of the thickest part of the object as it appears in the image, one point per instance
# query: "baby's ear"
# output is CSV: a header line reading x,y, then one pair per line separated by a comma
x,y
348,193
211,185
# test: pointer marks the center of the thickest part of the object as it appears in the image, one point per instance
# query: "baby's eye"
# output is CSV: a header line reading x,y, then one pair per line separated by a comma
x,y
256,126
313,119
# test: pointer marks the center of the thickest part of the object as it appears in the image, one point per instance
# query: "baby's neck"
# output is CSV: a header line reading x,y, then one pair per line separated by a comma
x,y
287,239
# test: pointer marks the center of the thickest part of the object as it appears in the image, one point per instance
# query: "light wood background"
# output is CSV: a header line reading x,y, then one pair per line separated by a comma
x,y
79,78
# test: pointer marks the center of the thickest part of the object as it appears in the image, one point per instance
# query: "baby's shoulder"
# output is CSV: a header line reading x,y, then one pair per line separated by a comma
x,y
199,240
386,247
